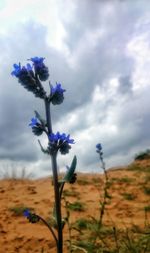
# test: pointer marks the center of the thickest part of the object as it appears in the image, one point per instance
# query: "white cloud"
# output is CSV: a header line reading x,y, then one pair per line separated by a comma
x,y
44,12
100,53
139,49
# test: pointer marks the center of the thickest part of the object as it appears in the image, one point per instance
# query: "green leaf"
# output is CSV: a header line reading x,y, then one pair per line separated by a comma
x,y
70,171
38,116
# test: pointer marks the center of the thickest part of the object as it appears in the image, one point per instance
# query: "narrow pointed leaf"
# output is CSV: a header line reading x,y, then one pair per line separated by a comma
x,y
70,171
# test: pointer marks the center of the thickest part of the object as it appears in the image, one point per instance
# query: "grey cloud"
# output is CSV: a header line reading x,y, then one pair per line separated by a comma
x,y
17,105
125,85
91,61
107,57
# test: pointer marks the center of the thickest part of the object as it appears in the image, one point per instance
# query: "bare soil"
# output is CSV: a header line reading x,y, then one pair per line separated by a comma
x,y
125,207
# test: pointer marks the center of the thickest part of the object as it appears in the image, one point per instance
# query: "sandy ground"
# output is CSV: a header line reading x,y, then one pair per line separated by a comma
x,y
18,235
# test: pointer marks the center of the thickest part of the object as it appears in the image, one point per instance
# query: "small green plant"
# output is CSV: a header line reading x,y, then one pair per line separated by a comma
x,y
96,180
125,180
147,208
143,155
94,227
70,193
76,206
134,167
147,178
128,196
135,242
147,190
82,223
18,210
82,181
139,168
86,245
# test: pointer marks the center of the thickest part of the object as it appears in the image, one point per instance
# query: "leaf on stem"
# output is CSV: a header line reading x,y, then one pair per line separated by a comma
x,y
70,171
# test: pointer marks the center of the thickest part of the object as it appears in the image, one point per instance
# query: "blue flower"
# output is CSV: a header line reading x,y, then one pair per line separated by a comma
x,y
67,138
25,75
60,142
54,137
29,67
18,71
37,60
27,213
40,69
57,95
99,148
34,122
32,217
60,137
29,78
57,88
37,128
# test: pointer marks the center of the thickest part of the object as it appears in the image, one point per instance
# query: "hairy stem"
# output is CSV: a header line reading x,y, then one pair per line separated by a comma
x,y
103,204
56,183
57,204
48,116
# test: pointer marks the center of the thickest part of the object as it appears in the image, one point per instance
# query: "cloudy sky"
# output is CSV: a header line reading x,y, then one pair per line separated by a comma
x,y
99,50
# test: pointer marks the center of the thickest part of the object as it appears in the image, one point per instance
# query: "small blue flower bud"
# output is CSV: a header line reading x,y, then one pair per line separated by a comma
x,y
25,75
34,122
16,71
26,213
60,142
57,95
40,69
98,148
32,217
37,128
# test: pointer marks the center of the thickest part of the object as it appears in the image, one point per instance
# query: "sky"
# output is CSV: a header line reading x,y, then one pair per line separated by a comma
x,y
99,50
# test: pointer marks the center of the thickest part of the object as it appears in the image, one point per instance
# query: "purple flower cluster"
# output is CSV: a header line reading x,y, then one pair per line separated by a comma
x,y
30,76
34,122
57,95
26,213
32,217
60,137
39,67
60,142
24,74
18,70
99,149
37,128
56,89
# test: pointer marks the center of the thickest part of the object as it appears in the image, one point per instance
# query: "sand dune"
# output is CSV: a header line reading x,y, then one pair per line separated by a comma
x,y
125,208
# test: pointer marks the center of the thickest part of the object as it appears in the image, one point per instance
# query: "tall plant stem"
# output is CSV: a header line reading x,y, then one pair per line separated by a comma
x,y
105,195
57,204
48,116
56,183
